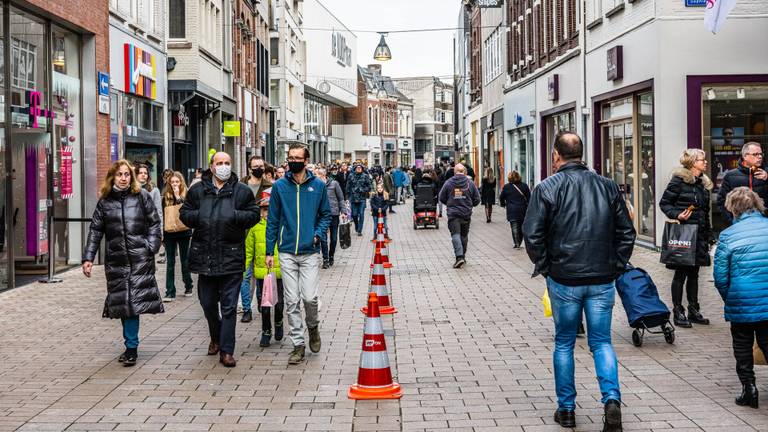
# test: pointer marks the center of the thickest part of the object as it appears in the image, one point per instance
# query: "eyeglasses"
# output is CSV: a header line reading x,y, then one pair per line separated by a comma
x,y
701,160
755,154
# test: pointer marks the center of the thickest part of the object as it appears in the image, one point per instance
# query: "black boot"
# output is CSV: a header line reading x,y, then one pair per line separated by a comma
x,y
680,318
695,316
748,396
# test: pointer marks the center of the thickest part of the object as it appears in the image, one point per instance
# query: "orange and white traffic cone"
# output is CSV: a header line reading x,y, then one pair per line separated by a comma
x,y
374,377
379,286
381,244
380,236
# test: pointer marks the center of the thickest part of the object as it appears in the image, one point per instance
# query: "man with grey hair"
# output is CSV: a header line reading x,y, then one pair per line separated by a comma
x,y
749,173
459,195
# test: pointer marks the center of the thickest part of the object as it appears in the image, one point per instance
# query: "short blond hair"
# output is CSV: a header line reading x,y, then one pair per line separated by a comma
x,y
689,156
742,200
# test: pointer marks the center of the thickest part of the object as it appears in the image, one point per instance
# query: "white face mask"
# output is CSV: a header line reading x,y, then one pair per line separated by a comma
x,y
223,172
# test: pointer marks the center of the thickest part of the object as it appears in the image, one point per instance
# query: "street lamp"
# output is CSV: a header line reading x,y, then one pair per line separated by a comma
x,y
382,52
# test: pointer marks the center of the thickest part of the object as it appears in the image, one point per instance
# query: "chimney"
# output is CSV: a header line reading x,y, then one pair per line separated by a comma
x,y
375,68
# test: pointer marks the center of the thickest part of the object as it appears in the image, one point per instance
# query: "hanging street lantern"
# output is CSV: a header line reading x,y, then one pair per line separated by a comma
x,y
382,52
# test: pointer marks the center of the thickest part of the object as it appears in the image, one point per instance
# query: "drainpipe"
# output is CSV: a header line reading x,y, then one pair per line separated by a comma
x,y
585,107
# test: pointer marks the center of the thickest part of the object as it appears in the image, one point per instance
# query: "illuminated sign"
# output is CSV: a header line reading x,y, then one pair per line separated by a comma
x,y
140,72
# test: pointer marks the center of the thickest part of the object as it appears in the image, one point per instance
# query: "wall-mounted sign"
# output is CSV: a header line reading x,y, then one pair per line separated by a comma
x,y
553,87
489,3
615,63
67,190
33,111
140,72
339,49
231,128
103,93
695,3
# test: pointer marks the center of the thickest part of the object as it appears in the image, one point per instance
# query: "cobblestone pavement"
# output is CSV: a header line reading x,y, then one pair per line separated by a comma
x,y
470,347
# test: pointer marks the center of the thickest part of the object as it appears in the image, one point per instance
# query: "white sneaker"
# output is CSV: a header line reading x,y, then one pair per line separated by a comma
x,y
167,299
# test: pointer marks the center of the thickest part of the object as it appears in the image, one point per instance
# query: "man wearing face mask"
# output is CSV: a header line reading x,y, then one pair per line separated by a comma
x,y
220,210
299,216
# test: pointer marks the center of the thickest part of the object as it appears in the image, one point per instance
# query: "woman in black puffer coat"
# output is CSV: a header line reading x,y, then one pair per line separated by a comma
x,y
515,196
126,215
689,188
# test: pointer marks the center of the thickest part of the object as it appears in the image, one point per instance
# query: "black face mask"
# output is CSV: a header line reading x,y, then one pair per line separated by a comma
x,y
257,172
296,167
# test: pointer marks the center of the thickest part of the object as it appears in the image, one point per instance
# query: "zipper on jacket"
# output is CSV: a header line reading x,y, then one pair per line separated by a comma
x,y
298,217
127,252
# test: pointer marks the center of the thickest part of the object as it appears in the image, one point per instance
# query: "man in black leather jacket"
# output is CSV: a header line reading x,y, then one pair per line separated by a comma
x,y
220,210
579,236
749,173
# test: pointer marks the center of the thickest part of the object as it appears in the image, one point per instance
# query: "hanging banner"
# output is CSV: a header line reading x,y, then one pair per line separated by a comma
x,y
66,172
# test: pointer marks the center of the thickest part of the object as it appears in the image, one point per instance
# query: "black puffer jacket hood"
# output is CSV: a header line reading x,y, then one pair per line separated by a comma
x,y
220,219
132,229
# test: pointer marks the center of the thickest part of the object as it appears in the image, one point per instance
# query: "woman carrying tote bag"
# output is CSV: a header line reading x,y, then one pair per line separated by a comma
x,y
175,236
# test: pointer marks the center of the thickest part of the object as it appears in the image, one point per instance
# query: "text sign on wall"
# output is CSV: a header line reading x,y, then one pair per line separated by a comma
x,y
140,72
339,49
66,172
490,3
231,128
615,70
695,3
553,87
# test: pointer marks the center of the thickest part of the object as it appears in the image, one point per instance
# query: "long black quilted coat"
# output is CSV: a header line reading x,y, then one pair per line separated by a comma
x,y
132,229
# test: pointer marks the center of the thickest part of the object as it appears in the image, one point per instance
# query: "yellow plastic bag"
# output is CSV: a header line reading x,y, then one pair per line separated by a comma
x,y
547,304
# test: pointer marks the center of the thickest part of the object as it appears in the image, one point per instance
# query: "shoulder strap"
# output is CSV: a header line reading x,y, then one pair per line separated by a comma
x,y
520,192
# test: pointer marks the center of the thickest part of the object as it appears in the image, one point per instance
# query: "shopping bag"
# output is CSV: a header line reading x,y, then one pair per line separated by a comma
x,y
171,219
758,355
269,291
547,304
678,246
345,235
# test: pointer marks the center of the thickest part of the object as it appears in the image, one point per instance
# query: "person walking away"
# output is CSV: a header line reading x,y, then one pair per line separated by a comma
x,y
126,216
174,194
389,184
299,216
145,181
220,210
741,278
515,196
488,193
408,184
579,237
459,195
255,257
749,173
198,177
336,203
686,200
398,177
380,202
358,189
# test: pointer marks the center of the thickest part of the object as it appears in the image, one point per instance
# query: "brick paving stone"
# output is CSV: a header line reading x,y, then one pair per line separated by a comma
x,y
470,347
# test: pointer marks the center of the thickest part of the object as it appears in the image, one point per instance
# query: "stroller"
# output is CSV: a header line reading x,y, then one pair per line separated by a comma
x,y
425,207
644,308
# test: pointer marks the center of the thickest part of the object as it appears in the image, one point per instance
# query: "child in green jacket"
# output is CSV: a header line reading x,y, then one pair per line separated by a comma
x,y
255,253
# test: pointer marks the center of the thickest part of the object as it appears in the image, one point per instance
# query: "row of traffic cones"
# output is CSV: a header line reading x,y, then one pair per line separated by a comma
x,y
374,377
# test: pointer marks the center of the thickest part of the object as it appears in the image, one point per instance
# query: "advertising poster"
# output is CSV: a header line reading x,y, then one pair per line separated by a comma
x,y
149,156
726,151
66,172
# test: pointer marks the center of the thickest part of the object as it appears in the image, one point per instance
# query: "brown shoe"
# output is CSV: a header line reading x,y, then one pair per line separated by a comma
x,y
213,348
227,360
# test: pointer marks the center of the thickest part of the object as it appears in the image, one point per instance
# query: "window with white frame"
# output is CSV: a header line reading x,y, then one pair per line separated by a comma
x,y
492,53
370,120
596,10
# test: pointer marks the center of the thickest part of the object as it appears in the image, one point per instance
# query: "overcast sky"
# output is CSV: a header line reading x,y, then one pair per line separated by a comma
x,y
413,54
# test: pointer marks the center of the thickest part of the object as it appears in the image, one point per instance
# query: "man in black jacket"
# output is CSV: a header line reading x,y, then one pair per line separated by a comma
x,y
579,236
459,195
749,173
220,210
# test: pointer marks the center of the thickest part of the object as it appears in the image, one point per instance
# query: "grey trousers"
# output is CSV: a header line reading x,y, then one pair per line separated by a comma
x,y
301,279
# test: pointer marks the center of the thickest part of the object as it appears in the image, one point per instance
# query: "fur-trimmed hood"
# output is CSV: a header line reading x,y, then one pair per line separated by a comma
x,y
687,176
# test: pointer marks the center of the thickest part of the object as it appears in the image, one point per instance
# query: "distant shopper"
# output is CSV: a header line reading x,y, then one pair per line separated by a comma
x,y
336,203
515,196
388,181
380,203
579,236
749,173
279,172
686,199
198,177
488,193
173,197
126,216
145,181
459,195
358,190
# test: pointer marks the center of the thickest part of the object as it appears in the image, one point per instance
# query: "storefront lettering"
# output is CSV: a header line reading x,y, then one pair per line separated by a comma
x,y
140,72
33,100
339,49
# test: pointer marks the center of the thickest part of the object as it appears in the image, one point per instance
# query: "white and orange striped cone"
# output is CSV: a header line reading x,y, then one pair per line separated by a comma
x,y
374,377
379,286
381,244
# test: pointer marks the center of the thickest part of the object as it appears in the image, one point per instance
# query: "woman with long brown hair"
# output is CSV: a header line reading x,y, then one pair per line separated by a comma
x,y
175,236
126,216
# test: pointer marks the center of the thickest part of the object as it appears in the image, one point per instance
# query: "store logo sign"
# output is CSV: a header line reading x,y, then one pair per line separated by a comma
x,y
140,72
33,100
339,49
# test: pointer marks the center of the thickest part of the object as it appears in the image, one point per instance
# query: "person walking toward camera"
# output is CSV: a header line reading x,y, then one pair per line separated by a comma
x,y
579,236
220,210
176,236
126,216
686,200
749,173
358,189
336,203
460,195
299,216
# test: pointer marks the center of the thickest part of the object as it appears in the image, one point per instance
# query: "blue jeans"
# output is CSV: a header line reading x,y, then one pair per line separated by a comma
x,y
131,331
376,226
596,301
245,289
358,215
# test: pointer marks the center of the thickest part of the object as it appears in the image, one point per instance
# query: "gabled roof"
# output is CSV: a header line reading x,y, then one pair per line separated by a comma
x,y
374,82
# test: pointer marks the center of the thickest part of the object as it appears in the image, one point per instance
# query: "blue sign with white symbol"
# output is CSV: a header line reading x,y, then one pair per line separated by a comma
x,y
103,84
695,3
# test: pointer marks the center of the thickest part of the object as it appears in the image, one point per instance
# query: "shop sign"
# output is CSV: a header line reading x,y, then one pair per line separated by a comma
x,y
36,201
553,87
66,173
231,128
483,4
615,63
103,93
339,49
140,72
33,110
695,3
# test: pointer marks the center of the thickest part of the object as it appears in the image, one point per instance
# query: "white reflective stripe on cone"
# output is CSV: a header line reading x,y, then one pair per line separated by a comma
x,y
378,269
373,326
374,360
380,290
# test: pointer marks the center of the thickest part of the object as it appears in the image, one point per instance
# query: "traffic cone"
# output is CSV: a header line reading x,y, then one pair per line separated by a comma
x,y
374,377
379,286
381,244
380,236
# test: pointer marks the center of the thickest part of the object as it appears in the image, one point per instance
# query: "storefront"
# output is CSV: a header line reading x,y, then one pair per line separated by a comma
x,y
390,151
493,149
405,147
317,127
554,121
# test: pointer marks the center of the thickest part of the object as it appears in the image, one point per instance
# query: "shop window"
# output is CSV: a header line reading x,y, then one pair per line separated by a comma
x,y
177,25
28,68
146,116
557,123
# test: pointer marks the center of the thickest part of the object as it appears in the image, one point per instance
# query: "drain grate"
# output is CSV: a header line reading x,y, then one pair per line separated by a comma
x,y
313,405
434,322
409,271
